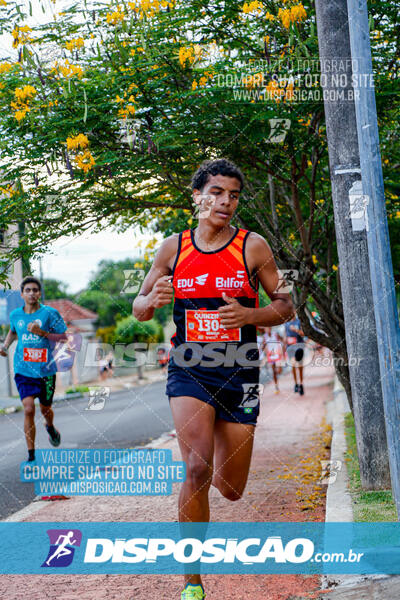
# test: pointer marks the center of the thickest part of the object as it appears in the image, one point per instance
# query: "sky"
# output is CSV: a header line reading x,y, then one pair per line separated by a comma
x,y
38,17
73,259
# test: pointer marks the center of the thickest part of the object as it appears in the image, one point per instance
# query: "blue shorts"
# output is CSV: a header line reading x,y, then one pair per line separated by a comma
x,y
295,353
238,405
38,387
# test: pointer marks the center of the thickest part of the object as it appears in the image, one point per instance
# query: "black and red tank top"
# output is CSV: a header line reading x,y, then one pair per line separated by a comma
x,y
199,279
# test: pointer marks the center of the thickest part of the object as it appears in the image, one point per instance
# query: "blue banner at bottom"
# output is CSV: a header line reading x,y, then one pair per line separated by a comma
x,y
173,548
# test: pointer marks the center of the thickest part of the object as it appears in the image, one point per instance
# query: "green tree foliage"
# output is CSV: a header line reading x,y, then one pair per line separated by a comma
x,y
106,293
131,330
101,303
54,289
109,275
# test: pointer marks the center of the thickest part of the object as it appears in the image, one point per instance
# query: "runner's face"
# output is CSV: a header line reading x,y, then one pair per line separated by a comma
x,y
31,293
219,199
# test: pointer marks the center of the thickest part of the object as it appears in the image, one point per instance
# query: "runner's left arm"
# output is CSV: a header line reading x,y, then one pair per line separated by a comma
x,y
281,309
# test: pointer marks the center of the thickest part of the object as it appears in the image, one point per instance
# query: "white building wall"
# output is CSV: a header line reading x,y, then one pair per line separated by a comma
x,y
11,241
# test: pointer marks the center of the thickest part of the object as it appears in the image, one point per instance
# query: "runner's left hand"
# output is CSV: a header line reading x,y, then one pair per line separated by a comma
x,y
233,314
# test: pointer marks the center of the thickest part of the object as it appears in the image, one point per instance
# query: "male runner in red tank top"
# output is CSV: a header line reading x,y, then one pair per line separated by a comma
x,y
214,272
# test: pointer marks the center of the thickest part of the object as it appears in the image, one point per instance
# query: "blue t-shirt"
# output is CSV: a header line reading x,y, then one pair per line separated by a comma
x,y
34,354
291,333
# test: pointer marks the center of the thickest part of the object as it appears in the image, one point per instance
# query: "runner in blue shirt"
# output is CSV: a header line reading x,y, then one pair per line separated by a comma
x,y
38,328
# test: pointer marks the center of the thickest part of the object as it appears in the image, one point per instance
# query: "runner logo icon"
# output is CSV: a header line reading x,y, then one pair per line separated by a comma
x,y
251,396
133,280
62,547
97,397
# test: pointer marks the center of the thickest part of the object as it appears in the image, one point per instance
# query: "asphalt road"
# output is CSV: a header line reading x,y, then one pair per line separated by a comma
x,y
128,419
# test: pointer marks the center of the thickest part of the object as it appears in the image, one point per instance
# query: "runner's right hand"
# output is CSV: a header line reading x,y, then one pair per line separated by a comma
x,y
162,292
3,351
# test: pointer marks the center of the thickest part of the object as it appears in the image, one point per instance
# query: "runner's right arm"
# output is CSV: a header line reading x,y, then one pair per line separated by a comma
x,y
157,290
53,337
11,337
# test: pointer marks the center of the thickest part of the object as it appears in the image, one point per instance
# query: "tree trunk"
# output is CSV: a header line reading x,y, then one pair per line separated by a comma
x,y
343,374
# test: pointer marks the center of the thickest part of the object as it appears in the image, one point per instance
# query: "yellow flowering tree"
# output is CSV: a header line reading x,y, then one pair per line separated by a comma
x,y
108,109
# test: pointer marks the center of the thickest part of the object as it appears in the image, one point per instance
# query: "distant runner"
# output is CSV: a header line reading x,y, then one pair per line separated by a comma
x,y
295,352
162,358
38,328
213,372
273,349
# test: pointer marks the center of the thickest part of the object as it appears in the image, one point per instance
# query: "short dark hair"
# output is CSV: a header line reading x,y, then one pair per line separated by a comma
x,y
30,279
220,166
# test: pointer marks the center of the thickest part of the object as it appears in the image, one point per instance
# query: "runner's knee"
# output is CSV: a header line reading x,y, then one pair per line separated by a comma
x,y
29,411
198,470
227,490
232,495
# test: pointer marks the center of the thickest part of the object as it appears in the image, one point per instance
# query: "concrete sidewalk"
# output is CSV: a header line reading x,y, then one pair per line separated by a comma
x,y
118,382
291,439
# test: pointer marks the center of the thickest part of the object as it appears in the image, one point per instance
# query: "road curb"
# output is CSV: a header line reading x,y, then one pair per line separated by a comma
x,y
366,587
25,512
338,499
13,408
339,507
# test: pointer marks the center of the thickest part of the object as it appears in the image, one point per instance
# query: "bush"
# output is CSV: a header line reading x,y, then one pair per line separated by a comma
x,y
77,388
131,330
106,334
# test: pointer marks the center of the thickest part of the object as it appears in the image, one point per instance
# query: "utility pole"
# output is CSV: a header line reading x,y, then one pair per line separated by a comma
x,y
381,268
355,281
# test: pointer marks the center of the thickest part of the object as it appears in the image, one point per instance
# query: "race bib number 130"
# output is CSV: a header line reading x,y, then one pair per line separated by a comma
x,y
205,326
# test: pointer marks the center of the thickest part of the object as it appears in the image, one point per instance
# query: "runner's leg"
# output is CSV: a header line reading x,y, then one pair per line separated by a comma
x,y
192,416
29,421
194,423
48,414
275,374
233,444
